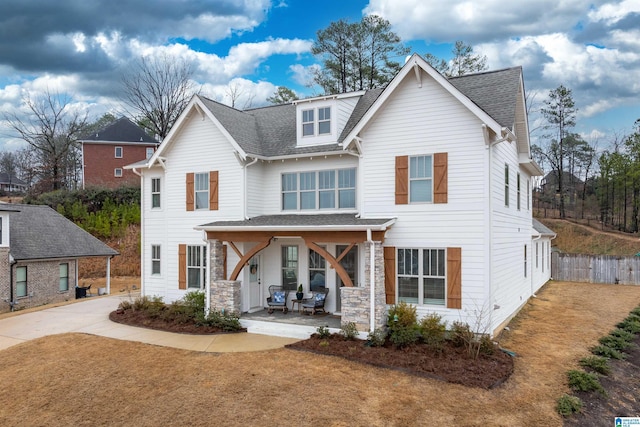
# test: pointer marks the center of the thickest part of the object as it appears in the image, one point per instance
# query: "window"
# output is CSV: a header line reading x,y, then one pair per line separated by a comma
x,y
308,123
290,267
422,276
118,153
202,190
420,179
506,185
518,188
21,281
155,192
528,194
117,172
324,120
155,259
149,152
317,270
64,277
196,266
525,260
318,189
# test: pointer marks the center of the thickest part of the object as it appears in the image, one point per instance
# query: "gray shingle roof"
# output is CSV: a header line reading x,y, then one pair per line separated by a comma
x,y
293,220
541,228
494,91
39,232
122,130
4,179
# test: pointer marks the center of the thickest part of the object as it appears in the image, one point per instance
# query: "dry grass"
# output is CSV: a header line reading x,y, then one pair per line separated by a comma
x,y
85,380
588,239
125,264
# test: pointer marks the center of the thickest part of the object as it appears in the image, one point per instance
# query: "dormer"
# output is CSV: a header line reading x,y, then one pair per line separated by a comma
x,y
320,120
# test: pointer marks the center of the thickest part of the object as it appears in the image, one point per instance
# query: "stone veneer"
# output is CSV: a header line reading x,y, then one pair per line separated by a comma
x,y
356,307
225,294
42,282
4,279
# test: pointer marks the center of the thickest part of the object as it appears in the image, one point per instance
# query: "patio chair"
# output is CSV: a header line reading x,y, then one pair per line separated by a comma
x,y
277,299
316,302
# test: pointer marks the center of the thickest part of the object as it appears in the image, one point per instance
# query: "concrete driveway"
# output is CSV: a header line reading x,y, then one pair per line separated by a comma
x,y
91,316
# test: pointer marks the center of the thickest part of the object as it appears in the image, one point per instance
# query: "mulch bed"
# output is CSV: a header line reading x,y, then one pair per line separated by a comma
x,y
452,364
140,319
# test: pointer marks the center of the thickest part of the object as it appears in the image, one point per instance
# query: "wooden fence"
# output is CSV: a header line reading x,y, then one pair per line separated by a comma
x,y
596,268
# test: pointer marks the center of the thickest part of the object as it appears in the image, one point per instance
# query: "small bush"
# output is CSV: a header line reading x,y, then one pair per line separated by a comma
x,y
433,330
402,315
608,352
323,332
636,311
349,330
460,334
568,405
403,336
377,338
584,381
487,347
630,325
597,364
125,305
615,343
225,320
622,334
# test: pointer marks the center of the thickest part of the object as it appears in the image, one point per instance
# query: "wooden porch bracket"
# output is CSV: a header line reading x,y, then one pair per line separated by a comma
x,y
345,252
342,273
246,257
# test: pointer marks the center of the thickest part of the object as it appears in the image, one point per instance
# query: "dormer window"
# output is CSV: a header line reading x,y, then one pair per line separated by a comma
x,y
320,126
308,123
324,120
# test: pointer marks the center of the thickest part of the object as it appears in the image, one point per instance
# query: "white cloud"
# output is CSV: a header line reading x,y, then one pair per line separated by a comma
x,y
242,93
611,13
303,75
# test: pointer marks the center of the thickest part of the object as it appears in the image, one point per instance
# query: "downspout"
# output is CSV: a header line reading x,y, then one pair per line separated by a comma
x,y
207,276
372,277
531,278
246,196
82,159
12,262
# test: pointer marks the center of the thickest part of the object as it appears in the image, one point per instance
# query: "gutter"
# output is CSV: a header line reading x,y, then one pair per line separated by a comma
x,y
382,227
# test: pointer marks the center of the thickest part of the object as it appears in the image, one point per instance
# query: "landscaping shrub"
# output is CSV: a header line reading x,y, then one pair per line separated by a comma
x,y
624,335
227,321
597,364
568,405
402,315
584,381
460,334
487,346
349,330
615,343
323,332
377,338
630,325
403,336
433,330
605,351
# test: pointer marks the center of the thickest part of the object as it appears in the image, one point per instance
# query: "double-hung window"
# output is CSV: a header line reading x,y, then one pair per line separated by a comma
x,y
21,281
118,153
420,179
201,186
506,185
196,266
308,123
148,152
327,189
155,192
317,270
64,277
316,121
324,120
422,276
155,259
117,172
290,268
518,189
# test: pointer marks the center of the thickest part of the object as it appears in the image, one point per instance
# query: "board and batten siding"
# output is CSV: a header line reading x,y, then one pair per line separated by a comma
x,y
428,120
198,147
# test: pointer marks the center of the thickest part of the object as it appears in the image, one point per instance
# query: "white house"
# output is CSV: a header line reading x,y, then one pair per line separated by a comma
x,y
427,180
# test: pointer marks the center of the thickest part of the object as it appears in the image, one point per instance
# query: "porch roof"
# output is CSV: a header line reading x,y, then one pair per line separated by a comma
x,y
301,222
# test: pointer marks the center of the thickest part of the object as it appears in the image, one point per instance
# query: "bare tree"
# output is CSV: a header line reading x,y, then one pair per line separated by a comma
x,y
51,127
235,92
156,90
463,61
8,165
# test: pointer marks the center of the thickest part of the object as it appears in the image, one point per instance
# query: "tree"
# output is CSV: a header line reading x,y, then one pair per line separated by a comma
x,y
463,61
357,56
235,92
282,95
560,114
99,124
9,165
156,90
51,127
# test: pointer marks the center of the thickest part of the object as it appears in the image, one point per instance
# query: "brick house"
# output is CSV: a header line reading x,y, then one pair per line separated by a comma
x,y
39,252
105,153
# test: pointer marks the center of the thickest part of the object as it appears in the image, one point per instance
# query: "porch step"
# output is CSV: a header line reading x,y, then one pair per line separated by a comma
x,y
280,329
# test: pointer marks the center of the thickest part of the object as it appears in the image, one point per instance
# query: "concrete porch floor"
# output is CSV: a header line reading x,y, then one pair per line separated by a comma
x,y
292,324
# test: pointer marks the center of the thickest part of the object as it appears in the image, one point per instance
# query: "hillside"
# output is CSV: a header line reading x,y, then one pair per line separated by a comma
x,y
126,264
586,239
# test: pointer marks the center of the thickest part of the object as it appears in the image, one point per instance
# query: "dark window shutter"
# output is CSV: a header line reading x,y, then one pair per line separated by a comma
x,y
182,266
213,190
190,191
454,278
402,180
440,172
390,274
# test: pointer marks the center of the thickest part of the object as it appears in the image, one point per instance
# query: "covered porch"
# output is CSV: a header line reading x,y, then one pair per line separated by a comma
x,y
329,251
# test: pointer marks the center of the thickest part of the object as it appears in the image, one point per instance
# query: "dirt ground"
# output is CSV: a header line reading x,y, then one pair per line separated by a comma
x,y
76,379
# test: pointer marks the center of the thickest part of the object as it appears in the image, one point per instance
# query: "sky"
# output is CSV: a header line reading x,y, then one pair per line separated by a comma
x,y
81,48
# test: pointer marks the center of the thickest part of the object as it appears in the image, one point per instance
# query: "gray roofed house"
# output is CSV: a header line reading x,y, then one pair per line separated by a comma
x,y
11,183
121,130
39,253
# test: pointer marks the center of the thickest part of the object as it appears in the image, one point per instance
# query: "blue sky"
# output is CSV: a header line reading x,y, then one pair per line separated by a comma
x,y
81,48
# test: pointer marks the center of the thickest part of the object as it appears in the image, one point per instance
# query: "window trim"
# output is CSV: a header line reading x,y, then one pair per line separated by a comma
x,y
506,185
148,152
429,178
325,120
312,122
289,266
60,288
518,189
115,154
316,270
156,257
117,172
196,191
156,192
421,275
525,260
296,188
25,281
201,257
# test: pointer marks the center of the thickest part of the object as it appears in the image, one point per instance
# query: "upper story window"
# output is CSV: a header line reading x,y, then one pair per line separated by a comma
x,y
327,189
118,153
420,179
149,152
518,189
202,190
155,192
506,185
316,124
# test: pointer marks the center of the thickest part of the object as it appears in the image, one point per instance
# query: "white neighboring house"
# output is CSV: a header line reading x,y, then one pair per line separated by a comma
x,y
428,180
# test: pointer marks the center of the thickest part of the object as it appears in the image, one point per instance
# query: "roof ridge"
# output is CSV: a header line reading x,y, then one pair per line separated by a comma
x,y
515,67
